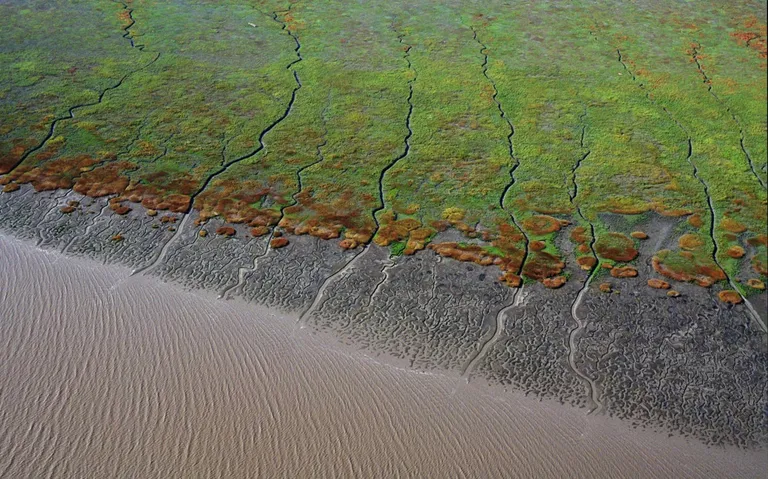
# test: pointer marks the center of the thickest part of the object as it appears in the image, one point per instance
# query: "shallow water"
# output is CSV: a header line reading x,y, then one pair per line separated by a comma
x,y
103,374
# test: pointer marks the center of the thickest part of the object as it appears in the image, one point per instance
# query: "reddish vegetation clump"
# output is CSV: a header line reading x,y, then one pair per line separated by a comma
x,y
348,243
541,265
758,240
328,220
690,242
729,296
578,235
203,233
616,246
225,231
658,283
103,180
52,175
554,283
624,272
161,190
469,253
409,230
753,36
755,284
759,266
685,266
67,209
735,252
394,230
729,224
673,294
695,221
117,238
541,224
638,235
259,231
537,245
278,242
586,262
605,287
118,208
14,155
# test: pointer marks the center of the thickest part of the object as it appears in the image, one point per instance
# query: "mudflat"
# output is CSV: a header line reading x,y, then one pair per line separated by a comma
x,y
103,374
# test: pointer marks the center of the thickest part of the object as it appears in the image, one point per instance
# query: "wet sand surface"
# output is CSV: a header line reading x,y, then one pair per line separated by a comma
x,y
103,374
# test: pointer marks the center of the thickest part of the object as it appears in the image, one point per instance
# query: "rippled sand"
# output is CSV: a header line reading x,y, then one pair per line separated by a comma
x,y
107,375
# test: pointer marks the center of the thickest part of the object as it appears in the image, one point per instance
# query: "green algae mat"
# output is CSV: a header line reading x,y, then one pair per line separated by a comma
x,y
391,122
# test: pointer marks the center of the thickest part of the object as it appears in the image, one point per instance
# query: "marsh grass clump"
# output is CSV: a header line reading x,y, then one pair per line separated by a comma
x,y
616,247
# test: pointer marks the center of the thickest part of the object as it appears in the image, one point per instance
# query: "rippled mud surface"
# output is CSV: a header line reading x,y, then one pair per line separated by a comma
x,y
103,374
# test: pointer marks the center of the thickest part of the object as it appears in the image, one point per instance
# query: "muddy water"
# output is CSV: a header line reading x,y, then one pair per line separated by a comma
x,y
107,375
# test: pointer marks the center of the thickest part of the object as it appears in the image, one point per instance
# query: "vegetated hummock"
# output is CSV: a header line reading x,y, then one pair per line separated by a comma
x,y
516,124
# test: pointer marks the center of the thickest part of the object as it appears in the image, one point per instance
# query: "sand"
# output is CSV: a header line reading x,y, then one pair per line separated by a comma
x,y
103,374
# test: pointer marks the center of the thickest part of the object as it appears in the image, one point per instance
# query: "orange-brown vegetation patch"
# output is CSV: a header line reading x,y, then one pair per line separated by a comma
x,y
234,201
554,283
119,208
151,212
541,224
759,266
622,209
118,237
511,279
606,287
756,284
418,238
53,175
67,209
347,243
10,159
624,272
10,187
586,262
468,253
729,296
537,245
225,231
168,219
690,242
616,246
658,283
541,265
753,36
685,266
729,224
638,235
259,231
103,180
154,198
203,233
578,235
758,240
735,252
278,242
673,294
695,221
582,248
392,230
349,213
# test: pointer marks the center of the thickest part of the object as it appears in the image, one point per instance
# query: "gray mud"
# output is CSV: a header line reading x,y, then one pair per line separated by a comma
x,y
687,365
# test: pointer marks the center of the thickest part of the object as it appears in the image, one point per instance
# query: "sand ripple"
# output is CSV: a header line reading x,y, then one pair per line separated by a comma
x,y
107,375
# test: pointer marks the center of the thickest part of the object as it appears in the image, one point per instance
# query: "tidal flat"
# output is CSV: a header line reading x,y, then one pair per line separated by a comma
x,y
104,374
